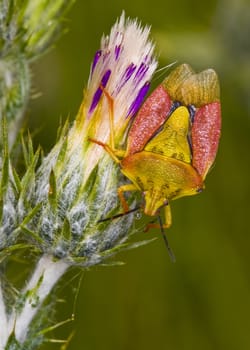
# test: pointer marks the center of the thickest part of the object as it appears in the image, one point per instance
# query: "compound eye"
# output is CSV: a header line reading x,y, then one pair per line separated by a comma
x,y
165,203
199,190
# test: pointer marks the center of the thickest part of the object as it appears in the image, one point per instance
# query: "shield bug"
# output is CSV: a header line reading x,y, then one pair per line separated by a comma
x,y
172,142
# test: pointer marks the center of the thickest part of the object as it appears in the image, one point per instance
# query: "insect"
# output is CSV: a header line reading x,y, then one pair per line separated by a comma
x,y
172,142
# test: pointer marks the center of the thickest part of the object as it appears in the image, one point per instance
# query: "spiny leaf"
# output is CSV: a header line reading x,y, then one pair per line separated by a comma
x,y
28,151
126,246
70,337
32,234
63,130
5,175
13,248
113,263
52,194
87,189
62,152
78,260
31,214
25,152
66,230
17,180
28,178
4,184
11,11
4,136
59,324
30,147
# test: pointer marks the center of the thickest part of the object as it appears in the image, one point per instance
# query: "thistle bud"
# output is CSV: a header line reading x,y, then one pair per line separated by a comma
x,y
28,28
76,184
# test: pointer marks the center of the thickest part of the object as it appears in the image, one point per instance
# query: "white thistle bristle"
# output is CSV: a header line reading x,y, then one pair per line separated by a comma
x,y
123,52
124,67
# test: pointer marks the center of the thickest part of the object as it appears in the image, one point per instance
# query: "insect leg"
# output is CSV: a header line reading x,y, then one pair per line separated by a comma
x,y
107,148
121,190
167,220
110,148
167,216
111,116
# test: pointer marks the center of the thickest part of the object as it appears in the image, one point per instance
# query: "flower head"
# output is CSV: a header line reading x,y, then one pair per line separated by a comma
x,y
123,67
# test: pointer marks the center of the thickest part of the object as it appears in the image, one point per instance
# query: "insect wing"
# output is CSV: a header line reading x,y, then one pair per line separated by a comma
x,y
150,117
200,89
174,81
205,134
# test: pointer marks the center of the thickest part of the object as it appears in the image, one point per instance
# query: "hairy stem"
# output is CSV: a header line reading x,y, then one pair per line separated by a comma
x,y
45,276
3,320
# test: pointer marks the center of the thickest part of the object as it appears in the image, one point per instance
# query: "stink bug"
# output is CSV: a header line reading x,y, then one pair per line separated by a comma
x,y
172,141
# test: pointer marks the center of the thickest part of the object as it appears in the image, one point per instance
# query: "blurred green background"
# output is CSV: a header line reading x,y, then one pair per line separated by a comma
x,y
203,300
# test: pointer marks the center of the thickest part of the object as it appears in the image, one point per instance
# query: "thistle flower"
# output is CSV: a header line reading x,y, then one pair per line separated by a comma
x,y
124,66
76,184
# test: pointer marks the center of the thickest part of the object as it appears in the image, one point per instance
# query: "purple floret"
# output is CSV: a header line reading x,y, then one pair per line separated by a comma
x,y
139,99
142,70
95,60
99,91
117,51
126,76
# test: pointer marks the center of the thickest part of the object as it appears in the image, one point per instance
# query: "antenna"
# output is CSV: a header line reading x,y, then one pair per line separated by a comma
x,y
119,215
170,252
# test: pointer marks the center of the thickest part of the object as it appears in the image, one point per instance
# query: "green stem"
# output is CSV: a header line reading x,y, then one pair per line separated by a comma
x,y
45,276
3,320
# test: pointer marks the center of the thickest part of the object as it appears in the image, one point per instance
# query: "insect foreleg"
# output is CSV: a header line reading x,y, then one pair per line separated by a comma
x,y
121,190
110,149
107,148
167,220
111,116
